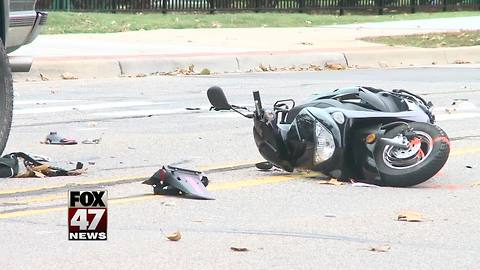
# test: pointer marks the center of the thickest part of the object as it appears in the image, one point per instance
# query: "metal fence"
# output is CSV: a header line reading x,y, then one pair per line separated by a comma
x,y
327,6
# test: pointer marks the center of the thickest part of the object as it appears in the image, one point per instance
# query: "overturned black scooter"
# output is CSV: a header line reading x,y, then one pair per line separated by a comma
x,y
364,134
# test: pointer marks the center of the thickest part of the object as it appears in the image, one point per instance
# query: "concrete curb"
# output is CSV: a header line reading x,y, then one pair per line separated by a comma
x,y
404,57
110,67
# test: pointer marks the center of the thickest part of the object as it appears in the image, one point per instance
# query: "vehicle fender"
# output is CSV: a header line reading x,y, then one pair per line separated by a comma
x,y
363,153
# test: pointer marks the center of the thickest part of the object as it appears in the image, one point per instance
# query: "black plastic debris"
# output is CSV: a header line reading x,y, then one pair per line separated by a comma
x,y
264,166
177,181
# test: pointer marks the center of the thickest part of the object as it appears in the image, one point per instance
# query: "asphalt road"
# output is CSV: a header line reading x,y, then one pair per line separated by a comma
x,y
286,221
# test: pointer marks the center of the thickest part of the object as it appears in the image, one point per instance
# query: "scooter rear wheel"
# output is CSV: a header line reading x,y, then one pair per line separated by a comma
x,y
427,153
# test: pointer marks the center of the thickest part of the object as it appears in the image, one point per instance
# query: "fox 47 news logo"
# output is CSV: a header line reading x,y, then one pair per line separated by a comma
x,y
87,215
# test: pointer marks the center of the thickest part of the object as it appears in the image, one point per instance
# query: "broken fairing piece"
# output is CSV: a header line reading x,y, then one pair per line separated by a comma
x,y
54,138
177,181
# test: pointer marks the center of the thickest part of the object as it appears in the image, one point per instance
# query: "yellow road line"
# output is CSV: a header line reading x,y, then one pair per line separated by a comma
x,y
220,186
72,184
23,213
20,190
225,166
113,179
38,199
454,152
258,181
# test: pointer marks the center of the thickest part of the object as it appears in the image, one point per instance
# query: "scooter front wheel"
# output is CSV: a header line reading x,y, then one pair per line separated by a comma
x,y
427,153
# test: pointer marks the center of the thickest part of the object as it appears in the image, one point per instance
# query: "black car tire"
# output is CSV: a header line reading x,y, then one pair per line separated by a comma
x,y
420,172
6,97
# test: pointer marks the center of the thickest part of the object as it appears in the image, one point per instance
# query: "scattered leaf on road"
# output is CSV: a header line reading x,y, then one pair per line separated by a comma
x,y
334,66
239,249
168,203
44,77
410,216
174,236
459,62
450,110
262,67
68,76
332,181
381,248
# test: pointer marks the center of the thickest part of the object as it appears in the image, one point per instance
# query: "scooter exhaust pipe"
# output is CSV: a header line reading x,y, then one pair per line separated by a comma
x,y
20,63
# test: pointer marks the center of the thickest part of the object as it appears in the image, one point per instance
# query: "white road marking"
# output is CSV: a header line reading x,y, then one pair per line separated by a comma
x,y
86,107
43,101
134,113
220,115
439,112
455,116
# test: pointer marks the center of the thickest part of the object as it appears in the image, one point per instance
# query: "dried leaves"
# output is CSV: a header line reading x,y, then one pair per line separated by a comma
x,y
44,77
68,76
410,216
239,249
311,67
334,66
64,76
380,248
332,181
189,70
176,236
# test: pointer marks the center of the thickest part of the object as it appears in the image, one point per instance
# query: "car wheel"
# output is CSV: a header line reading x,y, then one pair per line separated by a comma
x,y
6,97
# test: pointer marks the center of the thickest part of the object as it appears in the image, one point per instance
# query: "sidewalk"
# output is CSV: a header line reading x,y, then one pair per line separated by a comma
x,y
239,49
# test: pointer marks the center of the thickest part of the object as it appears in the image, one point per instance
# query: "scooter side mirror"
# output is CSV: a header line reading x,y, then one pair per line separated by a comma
x,y
217,98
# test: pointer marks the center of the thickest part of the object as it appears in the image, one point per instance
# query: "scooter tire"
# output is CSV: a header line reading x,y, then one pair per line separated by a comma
x,y
418,173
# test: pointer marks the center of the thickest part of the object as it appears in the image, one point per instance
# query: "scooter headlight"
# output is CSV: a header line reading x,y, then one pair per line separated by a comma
x,y
325,143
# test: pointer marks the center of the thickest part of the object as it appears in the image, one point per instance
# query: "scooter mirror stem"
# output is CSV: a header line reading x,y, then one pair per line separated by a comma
x,y
249,115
